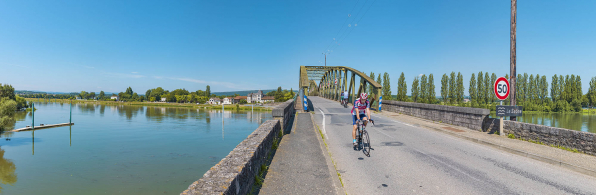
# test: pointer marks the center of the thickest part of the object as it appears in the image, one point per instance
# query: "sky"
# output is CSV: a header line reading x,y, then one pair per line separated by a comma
x,y
73,46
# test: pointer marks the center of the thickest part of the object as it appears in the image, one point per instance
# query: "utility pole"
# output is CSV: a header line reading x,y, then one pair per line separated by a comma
x,y
513,56
325,58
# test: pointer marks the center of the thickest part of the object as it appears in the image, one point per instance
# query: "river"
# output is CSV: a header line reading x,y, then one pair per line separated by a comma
x,y
118,149
574,121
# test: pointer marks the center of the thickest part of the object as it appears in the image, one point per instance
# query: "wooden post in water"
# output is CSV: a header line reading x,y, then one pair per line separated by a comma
x,y
33,116
70,118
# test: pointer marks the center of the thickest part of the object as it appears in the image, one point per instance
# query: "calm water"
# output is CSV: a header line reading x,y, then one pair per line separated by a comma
x,y
118,149
575,121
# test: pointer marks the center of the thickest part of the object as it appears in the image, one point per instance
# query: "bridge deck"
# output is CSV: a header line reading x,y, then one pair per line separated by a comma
x,y
410,159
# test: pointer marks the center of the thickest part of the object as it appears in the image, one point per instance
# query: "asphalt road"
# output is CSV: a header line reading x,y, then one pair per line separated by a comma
x,y
412,160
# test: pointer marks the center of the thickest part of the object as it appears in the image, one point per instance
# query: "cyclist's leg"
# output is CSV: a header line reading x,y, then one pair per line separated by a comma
x,y
355,126
364,119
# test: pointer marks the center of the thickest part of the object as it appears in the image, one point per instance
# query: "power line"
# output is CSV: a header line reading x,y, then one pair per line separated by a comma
x,y
343,24
349,25
355,24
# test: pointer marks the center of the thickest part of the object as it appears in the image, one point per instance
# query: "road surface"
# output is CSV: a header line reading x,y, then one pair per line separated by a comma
x,y
412,160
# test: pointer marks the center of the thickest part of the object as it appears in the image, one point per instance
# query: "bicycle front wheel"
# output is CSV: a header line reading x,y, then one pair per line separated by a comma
x,y
365,143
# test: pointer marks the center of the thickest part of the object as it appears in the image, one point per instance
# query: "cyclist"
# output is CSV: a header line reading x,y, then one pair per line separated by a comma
x,y
342,97
345,96
360,111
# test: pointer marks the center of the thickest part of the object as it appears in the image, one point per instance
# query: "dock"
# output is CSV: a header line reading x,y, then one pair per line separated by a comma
x,y
28,128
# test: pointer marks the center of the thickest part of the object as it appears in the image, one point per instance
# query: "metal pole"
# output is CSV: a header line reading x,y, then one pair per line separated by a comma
x,y
501,123
70,118
513,56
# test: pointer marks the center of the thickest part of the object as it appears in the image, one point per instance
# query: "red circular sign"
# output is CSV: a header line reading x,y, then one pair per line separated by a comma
x,y
502,88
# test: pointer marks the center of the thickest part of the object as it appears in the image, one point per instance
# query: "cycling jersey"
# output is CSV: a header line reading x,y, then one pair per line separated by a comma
x,y
342,95
345,95
362,106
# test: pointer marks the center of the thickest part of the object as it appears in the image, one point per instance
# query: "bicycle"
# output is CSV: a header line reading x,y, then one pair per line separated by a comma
x,y
344,103
363,139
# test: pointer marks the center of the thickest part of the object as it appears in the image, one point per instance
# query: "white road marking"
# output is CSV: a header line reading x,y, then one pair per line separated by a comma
x,y
324,131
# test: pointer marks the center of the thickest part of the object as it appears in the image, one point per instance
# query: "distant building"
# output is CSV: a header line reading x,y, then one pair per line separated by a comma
x,y
214,100
268,99
163,99
228,100
254,97
114,97
238,98
466,100
78,98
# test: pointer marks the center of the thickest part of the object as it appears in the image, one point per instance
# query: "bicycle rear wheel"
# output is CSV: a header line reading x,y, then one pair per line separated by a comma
x,y
365,143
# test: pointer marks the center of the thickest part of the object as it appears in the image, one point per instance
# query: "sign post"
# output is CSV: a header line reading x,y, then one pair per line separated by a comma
x,y
305,101
380,102
502,92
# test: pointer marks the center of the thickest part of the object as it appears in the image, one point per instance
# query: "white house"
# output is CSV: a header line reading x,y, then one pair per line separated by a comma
x,y
228,100
254,97
214,100
114,97
163,99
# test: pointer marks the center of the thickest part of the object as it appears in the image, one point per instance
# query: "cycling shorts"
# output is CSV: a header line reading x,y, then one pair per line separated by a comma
x,y
354,118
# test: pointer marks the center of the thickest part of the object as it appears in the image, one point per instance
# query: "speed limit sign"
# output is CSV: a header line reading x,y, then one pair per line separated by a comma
x,y
502,88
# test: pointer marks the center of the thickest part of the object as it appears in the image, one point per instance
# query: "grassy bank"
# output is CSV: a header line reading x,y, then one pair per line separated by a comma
x,y
154,104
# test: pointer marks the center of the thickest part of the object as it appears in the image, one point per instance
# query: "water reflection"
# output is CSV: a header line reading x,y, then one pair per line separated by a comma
x,y
574,121
7,171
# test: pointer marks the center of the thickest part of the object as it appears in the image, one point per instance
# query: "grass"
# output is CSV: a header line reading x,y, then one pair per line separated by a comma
x,y
333,162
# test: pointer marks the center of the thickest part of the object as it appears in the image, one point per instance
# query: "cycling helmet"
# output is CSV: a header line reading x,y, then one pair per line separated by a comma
x,y
363,96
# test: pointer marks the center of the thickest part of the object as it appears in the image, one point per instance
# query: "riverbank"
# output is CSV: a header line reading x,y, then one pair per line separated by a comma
x,y
265,107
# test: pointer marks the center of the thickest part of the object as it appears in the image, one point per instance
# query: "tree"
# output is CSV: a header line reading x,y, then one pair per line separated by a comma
x,y
445,88
8,108
208,91
543,89
472,89
386,87
102,95
460,88
493,79
83,94
592,92
480,94
452,88
488,88
415,89
431,98
91,95
402,88
423,89
578,88
519,89
554,88
129,91
7,91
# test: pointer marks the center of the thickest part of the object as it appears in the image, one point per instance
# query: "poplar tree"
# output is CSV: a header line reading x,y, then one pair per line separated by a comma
x,y
487,88
578,87
415,89
493,79
208,91
520,89
562,88
431,98
452,88
386,87
530,94
379,80
445,88
554,88
460,88
480,94
567,89
423,89
402,88
472,89
592,92
543,89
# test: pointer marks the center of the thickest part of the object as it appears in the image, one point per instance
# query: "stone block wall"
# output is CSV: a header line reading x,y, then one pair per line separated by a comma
x,y
235,174
582,141
461,116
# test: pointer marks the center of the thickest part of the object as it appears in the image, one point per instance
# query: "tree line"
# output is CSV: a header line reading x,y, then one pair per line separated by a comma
x,y
532,91
9,104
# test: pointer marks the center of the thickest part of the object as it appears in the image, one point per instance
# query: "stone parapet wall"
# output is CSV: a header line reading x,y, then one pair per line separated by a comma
x,y
461,116
284,112
582,141
235,173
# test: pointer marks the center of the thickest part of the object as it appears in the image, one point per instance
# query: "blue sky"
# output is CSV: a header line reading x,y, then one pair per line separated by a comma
x,y
69,46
